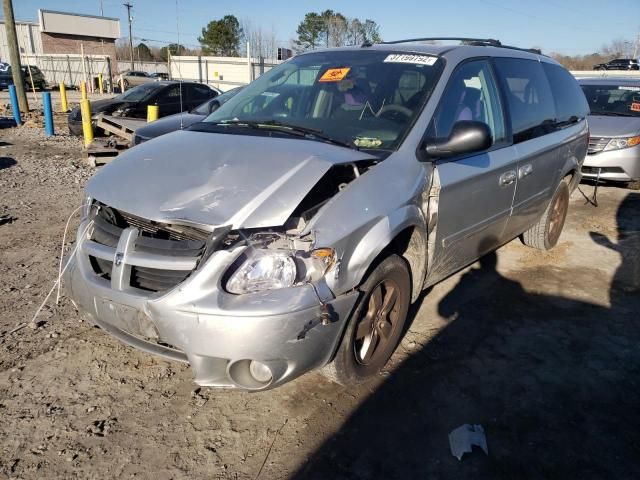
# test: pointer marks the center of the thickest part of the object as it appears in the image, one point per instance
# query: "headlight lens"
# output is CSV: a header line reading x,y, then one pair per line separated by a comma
x,y
618,143
265,269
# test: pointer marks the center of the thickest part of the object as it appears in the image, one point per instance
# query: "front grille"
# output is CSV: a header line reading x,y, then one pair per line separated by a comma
x,y
173,250
596,145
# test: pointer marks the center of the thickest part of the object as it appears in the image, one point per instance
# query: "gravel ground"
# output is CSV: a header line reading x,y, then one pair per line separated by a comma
x,y
539,348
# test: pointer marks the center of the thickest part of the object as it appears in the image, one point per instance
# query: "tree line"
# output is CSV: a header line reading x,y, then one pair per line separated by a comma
x,y
228,36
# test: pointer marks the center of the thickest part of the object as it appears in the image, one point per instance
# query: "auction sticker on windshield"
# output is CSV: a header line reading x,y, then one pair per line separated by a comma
x,y
334,74
635,107
408,58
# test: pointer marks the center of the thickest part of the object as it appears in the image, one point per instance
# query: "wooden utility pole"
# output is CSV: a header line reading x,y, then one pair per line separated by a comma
x,y
14,55
129,7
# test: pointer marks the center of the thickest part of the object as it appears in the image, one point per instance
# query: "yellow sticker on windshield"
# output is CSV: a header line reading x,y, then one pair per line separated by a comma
x,y
334,74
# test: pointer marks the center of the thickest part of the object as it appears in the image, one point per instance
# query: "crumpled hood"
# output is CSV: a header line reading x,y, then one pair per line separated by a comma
x,y
609,126
217,179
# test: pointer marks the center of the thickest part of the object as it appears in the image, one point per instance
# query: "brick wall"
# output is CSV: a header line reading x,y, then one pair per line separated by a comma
x,y
67,44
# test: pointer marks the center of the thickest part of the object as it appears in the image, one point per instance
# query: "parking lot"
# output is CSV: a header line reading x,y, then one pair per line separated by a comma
x,y
538,348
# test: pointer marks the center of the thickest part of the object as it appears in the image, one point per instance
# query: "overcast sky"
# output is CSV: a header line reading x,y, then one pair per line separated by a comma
x,y
565,26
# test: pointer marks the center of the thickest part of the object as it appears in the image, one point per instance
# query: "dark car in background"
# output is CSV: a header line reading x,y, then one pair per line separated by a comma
x,y
29,73
171,96
618,64
182,120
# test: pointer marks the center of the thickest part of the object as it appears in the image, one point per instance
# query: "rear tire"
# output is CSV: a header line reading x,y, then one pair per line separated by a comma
x,y
544,235
376,325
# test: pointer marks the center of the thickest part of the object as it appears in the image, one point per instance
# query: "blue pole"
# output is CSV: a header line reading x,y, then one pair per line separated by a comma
x,y
15,108
48,114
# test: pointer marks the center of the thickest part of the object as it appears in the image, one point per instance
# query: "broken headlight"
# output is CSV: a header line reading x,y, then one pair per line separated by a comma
x,y
264,269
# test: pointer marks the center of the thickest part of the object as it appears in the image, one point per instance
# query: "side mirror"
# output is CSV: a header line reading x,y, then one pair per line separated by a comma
x,y
466,137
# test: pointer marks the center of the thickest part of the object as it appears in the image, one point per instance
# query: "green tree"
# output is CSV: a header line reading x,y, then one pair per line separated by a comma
x,y
143,52
222,37
333,29
371,31
175,49
310,31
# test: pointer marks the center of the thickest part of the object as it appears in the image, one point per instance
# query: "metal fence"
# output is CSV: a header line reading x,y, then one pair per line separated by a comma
x,y
72,69
224,73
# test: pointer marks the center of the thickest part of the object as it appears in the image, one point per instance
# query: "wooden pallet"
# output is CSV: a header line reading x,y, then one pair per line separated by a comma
x,y
121,126
102,151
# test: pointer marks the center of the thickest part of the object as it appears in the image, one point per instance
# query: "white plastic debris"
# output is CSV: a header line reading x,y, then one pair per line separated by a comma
x,y
464,437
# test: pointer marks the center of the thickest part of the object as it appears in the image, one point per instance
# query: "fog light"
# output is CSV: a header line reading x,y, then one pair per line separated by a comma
x,y
260,371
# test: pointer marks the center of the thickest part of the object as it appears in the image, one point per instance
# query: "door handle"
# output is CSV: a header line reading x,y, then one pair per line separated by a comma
x,y
525,170
507,178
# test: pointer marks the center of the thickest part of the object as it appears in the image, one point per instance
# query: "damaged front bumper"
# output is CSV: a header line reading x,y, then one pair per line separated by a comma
x,y
197,321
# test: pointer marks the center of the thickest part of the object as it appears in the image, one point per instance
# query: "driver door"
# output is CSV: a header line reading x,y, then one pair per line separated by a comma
x,y
477,189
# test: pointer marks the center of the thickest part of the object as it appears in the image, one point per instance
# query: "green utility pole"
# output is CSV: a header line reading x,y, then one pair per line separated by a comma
x,y
14,55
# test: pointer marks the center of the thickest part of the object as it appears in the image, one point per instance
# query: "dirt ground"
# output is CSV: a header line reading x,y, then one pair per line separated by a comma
x,y
541,349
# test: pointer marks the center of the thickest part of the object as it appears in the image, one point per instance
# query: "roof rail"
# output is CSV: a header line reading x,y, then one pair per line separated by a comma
x,y
475,41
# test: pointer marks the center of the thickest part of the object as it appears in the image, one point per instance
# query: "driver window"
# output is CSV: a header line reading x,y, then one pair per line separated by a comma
x,y
471,94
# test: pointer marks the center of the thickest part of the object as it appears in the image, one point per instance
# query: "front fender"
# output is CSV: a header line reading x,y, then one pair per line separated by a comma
x,y
366,244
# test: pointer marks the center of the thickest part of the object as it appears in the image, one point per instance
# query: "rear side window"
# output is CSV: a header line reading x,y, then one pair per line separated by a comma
x,y
571,105
529,98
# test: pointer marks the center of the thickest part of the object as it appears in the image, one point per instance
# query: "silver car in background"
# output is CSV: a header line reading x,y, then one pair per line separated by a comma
x,y
614,125
292,229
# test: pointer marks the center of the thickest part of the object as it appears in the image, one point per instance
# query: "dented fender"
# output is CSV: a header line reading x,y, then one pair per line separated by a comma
x,y
364,219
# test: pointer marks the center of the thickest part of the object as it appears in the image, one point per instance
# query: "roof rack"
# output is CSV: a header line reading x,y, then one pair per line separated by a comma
x,y
477,42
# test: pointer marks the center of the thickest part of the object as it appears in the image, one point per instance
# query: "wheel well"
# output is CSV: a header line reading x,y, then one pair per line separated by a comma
x,y
411,246
571,178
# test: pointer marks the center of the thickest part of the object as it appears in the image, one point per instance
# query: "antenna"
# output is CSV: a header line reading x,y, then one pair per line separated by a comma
x,y
180,79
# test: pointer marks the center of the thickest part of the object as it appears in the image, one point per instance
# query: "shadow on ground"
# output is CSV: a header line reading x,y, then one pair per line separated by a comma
x,y
6,162
554,381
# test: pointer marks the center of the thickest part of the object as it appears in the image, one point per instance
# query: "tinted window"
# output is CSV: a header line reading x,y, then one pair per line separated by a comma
x,y
529,97
169,95
568,97
471,94
200,93
620,100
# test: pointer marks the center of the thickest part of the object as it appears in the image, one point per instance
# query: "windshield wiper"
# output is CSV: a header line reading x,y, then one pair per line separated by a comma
x,y
606,113
297,130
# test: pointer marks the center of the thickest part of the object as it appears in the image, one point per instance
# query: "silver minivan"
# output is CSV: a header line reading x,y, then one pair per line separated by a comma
x,y
292,229
614,123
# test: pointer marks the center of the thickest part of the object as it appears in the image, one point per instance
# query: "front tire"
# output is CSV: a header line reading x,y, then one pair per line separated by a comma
x,y
545,234
376,325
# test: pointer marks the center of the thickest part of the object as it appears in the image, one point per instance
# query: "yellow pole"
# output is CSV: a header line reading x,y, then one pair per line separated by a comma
x,y
87,128
153,111
100,83
83,90
63,98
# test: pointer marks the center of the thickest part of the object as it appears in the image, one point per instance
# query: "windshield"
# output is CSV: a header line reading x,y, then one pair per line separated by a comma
x,y
613,99
139,93
363,98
